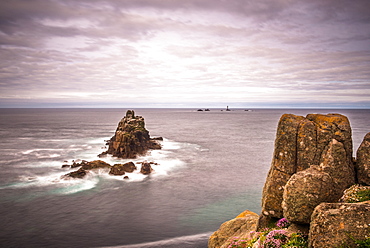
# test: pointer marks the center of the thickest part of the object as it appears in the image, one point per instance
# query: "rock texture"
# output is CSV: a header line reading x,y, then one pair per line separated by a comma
x,y
239,226
131,138
339,224
363,161
321,143
121,169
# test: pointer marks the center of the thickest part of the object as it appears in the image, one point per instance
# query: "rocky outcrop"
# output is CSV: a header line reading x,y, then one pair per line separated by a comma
x,y
131,138
116,170
339,224
80,173
96,164
240,226
146,168
322,143
121,169
85,167
363,161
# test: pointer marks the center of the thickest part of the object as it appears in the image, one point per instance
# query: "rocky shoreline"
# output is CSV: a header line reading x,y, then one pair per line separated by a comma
x,y
307,186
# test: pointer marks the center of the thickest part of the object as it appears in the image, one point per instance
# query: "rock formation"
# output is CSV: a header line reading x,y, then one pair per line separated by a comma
x,y
363,161
146,168
322,143
312,170
80,173
131,138
121,169
116,169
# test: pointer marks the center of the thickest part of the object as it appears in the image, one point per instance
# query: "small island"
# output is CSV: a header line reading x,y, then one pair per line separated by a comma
x,y
130,140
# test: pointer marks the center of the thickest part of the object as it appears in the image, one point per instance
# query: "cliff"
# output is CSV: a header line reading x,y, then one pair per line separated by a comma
x,y
131,138
312,168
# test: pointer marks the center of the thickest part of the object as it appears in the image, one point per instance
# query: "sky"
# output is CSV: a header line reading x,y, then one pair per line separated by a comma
x,y
185,53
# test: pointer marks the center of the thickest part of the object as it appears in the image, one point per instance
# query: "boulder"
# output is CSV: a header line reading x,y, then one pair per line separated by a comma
x,y
363,161
120,169
146,168
242,225
131,138
339,224
303,192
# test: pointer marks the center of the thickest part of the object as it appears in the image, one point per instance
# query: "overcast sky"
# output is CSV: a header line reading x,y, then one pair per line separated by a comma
x,y
185,53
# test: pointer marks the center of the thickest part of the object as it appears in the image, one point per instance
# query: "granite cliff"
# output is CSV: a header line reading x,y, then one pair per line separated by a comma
x,y
311,172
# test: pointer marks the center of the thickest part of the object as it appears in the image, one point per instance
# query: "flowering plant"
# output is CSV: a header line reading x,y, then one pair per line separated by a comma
x,y
271,238
283,223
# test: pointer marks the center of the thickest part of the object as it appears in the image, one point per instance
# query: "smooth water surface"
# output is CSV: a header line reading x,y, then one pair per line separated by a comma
x,y
212,167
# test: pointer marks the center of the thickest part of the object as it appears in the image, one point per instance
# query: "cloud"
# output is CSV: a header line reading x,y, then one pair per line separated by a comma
x,y
162,52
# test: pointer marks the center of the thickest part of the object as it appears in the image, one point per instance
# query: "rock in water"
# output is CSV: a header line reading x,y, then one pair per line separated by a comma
x,y
131,138
146,168
121,169
80,173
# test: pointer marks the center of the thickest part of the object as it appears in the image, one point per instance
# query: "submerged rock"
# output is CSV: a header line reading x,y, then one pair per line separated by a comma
x,y
131,138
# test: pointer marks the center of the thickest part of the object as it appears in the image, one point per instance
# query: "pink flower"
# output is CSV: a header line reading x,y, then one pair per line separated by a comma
x,y
283,223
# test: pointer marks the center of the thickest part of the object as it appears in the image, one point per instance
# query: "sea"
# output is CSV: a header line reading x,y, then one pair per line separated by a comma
x,y
212,166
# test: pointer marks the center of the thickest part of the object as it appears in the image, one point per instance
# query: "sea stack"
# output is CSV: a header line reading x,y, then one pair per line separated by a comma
x,y
131,138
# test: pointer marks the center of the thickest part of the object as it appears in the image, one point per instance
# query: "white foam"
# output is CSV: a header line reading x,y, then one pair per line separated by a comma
x,y
40,149
166,159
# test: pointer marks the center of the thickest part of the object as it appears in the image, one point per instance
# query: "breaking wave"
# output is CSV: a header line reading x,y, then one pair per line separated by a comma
x,y
42,166
190,241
